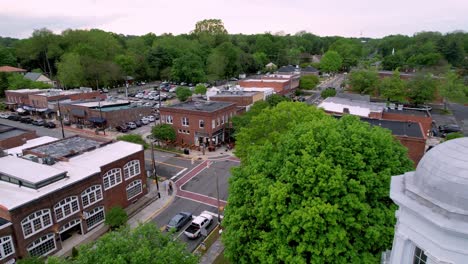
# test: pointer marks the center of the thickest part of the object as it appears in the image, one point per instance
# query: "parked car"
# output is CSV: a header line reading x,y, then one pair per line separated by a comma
x,y
202,221
138,123
151,118
121,128
131,125
4,115
446,129
66,122
38,122
50,125
145,121
26,120
179,221
14,117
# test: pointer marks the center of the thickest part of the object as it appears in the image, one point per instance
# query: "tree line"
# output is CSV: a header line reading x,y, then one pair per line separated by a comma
x,y
98,58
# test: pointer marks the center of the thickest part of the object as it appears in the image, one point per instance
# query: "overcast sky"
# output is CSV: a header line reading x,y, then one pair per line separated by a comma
x,y
349,18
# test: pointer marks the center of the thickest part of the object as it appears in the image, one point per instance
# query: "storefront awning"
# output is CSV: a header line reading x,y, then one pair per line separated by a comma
x,y
78,112
97,120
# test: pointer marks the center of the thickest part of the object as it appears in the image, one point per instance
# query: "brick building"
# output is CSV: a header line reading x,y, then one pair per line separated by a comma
x,y
62,189
16,98
284,84
11,137
110,112
242,99
199,122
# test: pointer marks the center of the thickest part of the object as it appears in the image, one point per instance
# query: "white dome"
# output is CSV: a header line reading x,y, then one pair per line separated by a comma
x,y
442,176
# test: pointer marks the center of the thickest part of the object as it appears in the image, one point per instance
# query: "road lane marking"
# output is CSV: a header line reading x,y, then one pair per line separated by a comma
x,y
203,195
180,167
180,172
193,200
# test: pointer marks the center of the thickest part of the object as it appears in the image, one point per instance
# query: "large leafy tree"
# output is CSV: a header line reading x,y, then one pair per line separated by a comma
x,y
422,88
363,81
183,93
313,190
393,88
164,132
188,68
350,50
116,217
308,82
453,89
7,57
70,72
331,62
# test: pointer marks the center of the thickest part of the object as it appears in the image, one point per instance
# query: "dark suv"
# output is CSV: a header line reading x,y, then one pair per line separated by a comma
x,y
446,129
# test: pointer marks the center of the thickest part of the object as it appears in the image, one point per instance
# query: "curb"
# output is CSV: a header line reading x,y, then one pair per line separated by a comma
x,y
169,201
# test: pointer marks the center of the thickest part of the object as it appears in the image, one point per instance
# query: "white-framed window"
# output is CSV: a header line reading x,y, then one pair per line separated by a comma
x,y
213,125
69,225
66,207
91,195
112,178
169,119
131,169
222,120
6,247
419,256
36,222
217,121
231,114
42,246
201,123
95,217
134,189
185,121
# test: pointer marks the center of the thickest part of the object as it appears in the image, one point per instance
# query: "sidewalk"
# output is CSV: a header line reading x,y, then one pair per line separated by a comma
x,y
213,252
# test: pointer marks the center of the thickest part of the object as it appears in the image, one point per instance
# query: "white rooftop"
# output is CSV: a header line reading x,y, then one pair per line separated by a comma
x,y
26,90
103,103
266,80
355,107
30,144
26,170
77,168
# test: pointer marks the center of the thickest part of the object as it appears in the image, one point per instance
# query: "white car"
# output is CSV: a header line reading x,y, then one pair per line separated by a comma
x,y
131,125
151,118
145,120
145,96
173,89
139,95
4,115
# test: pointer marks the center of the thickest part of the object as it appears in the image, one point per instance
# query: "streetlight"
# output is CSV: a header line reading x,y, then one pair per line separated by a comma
x,y
154,162
60,118
217,188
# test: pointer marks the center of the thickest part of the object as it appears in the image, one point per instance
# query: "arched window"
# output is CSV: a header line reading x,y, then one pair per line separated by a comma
x,y
91,195
66,207
42,246
112,178
6,247
94,217
134,189
36,222
131,169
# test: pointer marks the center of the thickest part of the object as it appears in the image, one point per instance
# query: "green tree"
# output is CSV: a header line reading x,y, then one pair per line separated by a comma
x,y
392,62
241,121
17,81
7,57
200,89
275,99
183,93
363,81
224,61
164,132
3,83
454,135
308,82
393,88
422,88
350,51
313,190
188,68
144,244
453,89
210,26
127,64
69,70
328,93
331,62
116,217
134,138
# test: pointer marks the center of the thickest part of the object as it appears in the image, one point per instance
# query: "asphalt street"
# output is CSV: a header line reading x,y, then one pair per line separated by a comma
x,y
41,131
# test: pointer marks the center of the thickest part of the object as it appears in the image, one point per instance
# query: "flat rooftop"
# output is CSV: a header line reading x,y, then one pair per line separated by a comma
x,y
77,168
30,144
66,147
26,170
235,94
26,90
408,112
266,80
9,131
102,103
120,107
210,106
346,103
398,128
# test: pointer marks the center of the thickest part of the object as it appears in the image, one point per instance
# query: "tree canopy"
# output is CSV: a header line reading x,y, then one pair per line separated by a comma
x,y
421,89
116,217
134,138
308,82
363,81
331,62
183,93
164,132
313,190
393,88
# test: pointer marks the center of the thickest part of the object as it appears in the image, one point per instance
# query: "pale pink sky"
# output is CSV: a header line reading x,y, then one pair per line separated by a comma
x,y
372,18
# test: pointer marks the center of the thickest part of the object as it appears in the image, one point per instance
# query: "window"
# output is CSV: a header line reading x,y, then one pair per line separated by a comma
x,y
42,246
91,195
134,189
222,120
201,123
419,256
112,178
36,222
66,207
69,225
94,217
217,121
169,119
213,124
185,121
131,169
6,247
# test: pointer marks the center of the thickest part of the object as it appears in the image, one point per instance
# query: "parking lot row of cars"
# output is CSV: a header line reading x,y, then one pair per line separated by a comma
x,y
28,120
138,123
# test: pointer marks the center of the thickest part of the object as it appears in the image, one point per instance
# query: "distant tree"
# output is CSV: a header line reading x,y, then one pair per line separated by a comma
x,y
7,57
331,62
188,68
363,81
200,89
392,62
183,93
3,83
127,63
224,61
350,51
116,217
144,244
17,81
453,89
308,82
393,88
134,138
70,72
422,88
164,132
312,190
328,93
210,26
275,99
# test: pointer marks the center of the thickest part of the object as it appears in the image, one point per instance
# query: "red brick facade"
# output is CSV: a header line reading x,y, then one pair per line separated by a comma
x,y
281,85
42,101
416,147
18,140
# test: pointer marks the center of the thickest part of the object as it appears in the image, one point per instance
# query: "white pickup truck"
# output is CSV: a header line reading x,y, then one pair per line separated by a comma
x,y
202,221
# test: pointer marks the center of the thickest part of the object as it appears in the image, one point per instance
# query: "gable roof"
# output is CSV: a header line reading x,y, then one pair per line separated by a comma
x,y
33,76
11,69
309,69
288,68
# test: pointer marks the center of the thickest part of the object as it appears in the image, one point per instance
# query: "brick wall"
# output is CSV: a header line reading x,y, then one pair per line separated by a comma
x,y
8,231
277,86
42,101
238,100
416,147
18,140
19,98
425,121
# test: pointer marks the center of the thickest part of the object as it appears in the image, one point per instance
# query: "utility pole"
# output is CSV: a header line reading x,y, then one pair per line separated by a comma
x,y
154,168
102,120
60,118
217,188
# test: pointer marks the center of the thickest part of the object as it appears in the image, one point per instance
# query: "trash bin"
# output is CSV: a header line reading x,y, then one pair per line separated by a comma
x,y
186,151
